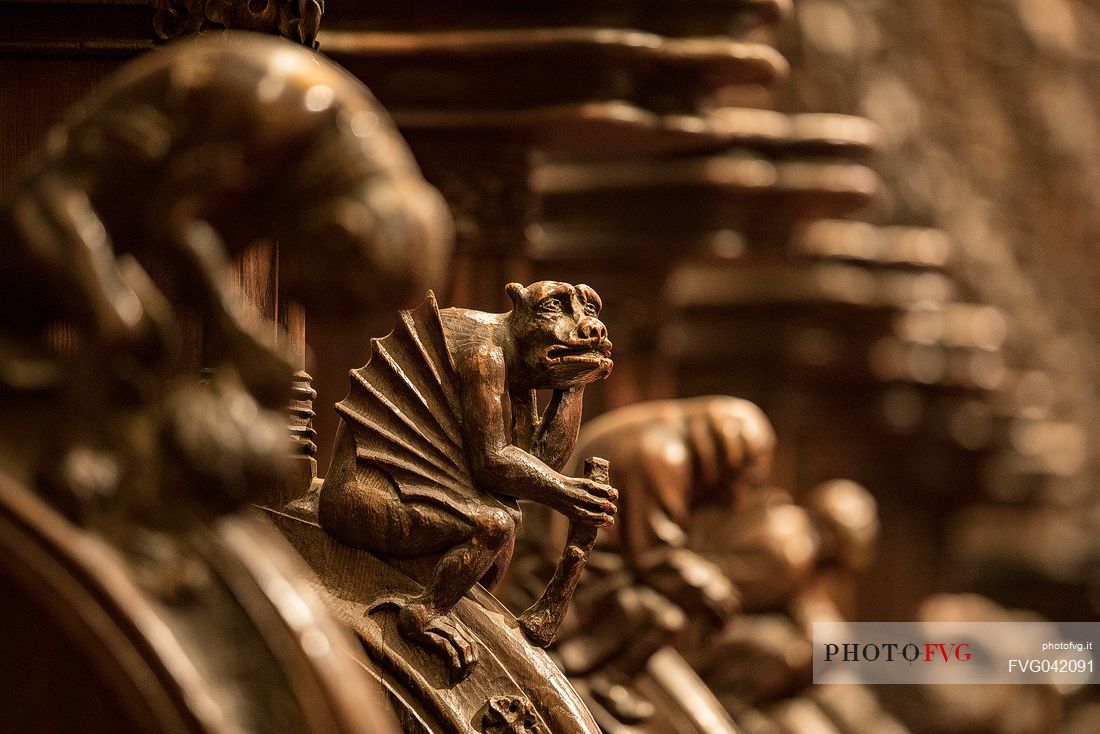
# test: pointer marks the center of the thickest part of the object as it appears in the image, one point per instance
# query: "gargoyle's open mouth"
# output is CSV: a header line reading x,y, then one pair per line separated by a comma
x,y
593,352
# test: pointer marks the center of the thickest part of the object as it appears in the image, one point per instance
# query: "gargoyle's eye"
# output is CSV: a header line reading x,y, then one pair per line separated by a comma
x,y
550,306
590,309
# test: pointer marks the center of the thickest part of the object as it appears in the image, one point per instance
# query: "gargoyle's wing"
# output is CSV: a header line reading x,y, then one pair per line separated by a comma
x,y
403,408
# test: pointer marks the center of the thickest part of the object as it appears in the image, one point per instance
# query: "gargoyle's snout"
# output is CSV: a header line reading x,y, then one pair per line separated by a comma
x,y
592,329
591,333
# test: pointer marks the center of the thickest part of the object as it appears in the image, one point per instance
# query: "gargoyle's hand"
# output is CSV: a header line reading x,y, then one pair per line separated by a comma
x,y
588,501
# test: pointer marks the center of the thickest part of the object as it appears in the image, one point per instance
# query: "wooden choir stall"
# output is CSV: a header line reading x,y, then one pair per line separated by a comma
x,y
486,367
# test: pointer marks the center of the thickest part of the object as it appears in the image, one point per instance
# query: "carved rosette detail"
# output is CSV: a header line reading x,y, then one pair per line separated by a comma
x,y
297,20
509,715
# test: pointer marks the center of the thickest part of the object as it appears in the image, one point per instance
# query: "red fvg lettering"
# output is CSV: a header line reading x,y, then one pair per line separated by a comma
x,y
958,651
930,648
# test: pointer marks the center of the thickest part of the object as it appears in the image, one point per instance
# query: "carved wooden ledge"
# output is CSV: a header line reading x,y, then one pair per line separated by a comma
x,y
420,688
681,701
719,191
627,210
615,78
522,68
696,17
584,90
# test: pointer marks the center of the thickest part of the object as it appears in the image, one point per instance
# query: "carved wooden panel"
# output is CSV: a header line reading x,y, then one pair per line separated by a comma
x,y
124,480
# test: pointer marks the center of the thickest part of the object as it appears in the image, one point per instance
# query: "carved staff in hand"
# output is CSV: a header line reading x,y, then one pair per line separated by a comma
x,y
543,618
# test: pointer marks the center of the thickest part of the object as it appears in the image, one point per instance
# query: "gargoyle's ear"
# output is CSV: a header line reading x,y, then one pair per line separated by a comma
x,y
517,293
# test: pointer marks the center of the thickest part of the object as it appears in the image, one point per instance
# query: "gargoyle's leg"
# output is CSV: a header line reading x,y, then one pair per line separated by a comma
x,y
422,618
465,564
500,566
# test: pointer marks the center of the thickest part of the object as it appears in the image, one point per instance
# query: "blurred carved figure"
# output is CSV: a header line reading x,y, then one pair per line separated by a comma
x,y
701,538
115,254
193,156
174,166
671,460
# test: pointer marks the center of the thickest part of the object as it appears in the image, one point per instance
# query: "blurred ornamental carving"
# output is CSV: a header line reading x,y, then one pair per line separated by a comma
x,y
295,20
505,715
124,481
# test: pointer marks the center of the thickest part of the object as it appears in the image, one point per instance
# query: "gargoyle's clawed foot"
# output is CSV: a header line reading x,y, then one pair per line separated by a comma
x,y
437,633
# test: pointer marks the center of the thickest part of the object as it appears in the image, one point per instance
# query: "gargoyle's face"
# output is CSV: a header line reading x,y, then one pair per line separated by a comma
x,y
560,343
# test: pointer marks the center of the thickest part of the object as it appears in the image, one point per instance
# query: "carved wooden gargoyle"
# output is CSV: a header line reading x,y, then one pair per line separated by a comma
x,y
440,436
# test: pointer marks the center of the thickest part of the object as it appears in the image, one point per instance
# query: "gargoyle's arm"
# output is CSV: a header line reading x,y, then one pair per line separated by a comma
x,y
502,468
559,427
